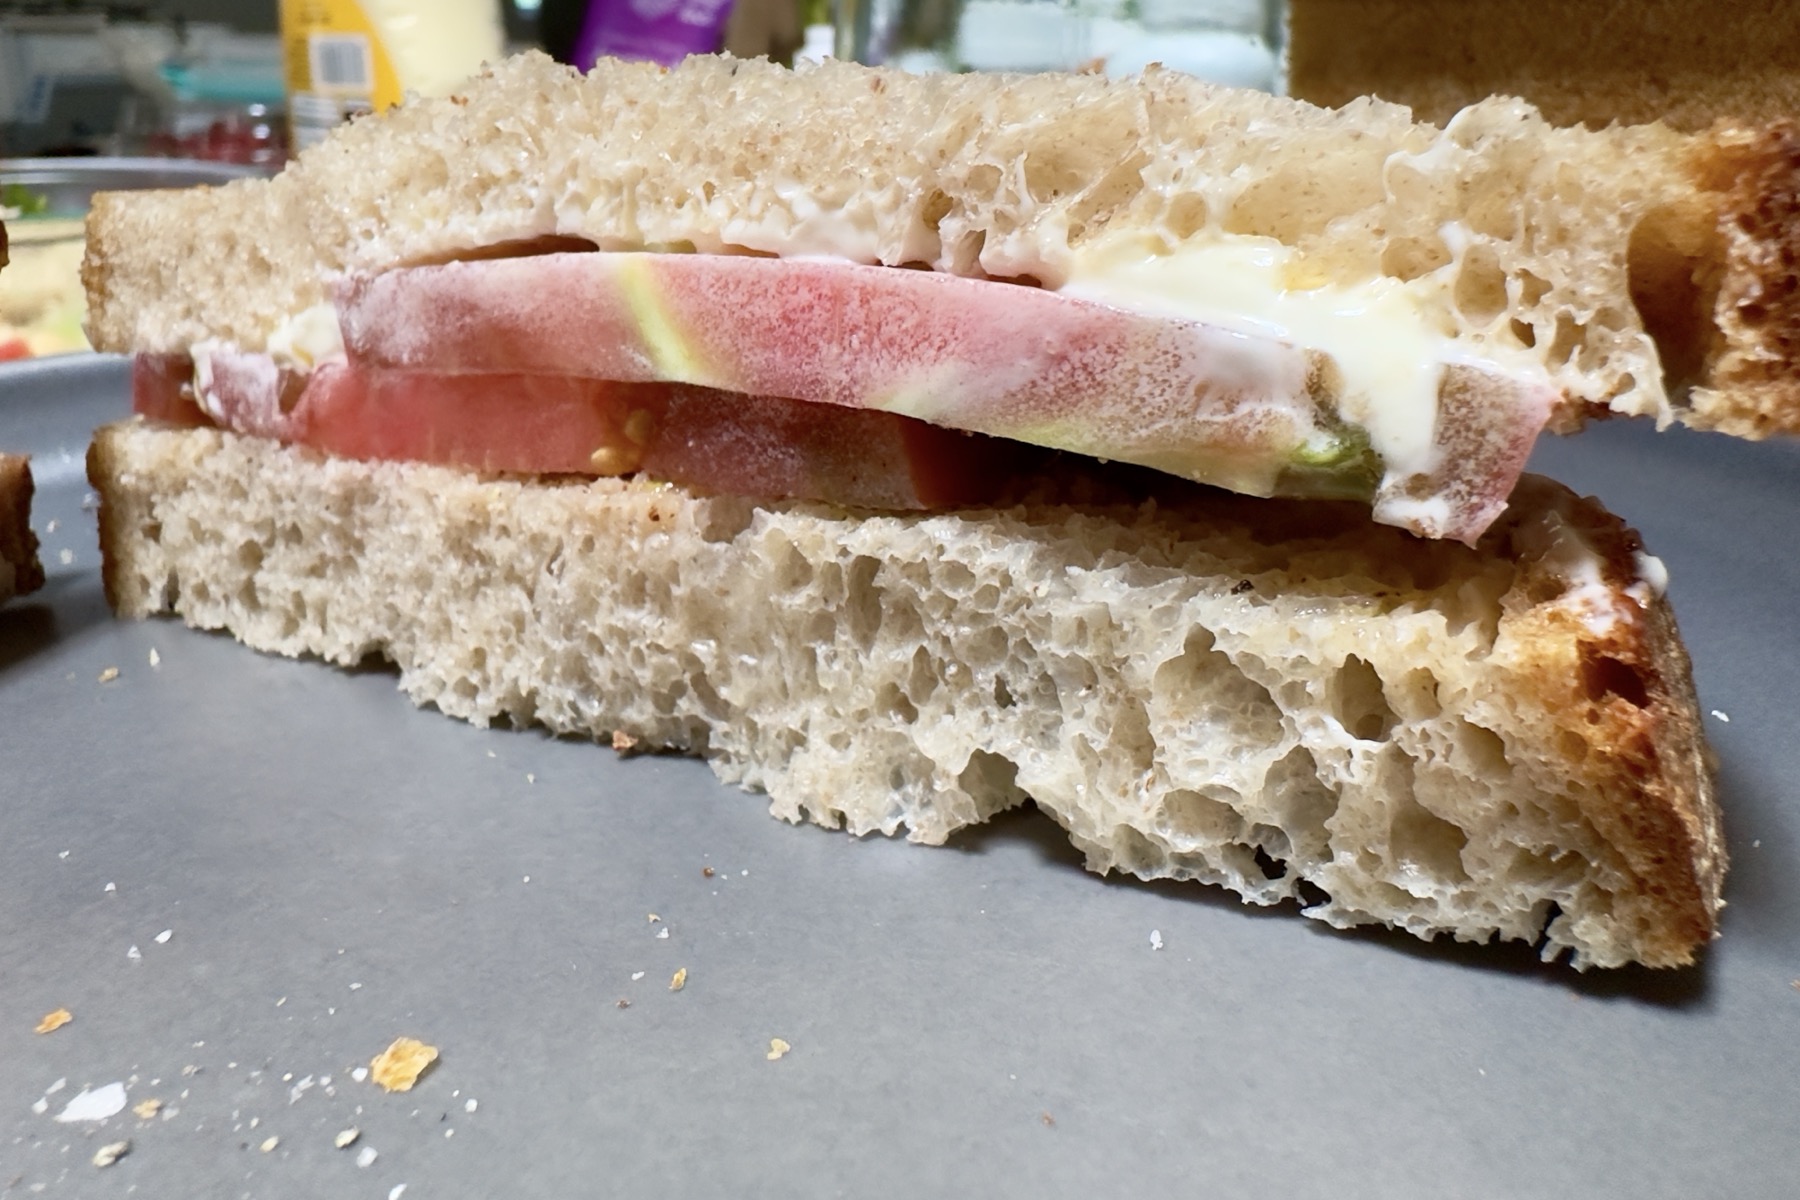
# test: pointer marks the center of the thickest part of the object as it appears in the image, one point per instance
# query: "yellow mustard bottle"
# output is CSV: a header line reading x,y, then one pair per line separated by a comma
x,y
348,57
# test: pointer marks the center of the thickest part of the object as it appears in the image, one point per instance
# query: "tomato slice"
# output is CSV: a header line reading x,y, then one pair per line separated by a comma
x,y
12,349
713,440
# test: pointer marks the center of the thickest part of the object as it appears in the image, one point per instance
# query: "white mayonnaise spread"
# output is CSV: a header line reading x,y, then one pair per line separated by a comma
x,y
1390,352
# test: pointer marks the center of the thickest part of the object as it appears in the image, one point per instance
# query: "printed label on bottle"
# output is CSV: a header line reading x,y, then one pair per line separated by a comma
x,y
336,67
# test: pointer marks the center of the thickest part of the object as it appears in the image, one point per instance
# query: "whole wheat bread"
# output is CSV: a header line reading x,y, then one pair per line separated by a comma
x,y
1278,697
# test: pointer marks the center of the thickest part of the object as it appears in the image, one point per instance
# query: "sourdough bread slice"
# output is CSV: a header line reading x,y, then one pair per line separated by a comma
x,y
1279,698
20,570
1627,263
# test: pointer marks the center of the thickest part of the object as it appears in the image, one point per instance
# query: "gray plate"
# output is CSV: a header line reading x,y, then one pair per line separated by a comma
x,y
339,869
69,183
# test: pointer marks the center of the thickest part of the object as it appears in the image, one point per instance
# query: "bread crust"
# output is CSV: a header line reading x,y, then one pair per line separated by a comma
x,y
1519,744
20,570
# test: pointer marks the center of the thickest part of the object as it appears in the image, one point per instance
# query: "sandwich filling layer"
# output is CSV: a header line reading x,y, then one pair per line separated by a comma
x,y
1273,388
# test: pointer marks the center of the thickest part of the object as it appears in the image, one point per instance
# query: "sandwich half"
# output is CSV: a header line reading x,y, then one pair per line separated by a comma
x,y
758,415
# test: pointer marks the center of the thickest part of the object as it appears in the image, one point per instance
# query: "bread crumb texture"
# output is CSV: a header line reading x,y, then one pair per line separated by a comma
x,y
1473,742
398,1067
1538,241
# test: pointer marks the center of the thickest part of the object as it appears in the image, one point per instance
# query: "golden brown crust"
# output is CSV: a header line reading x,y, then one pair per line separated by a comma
x,y
103,475
20,570
1684,62
1623,696
1752,380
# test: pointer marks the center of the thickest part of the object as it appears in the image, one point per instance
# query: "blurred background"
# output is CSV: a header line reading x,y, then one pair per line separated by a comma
x,y
213,79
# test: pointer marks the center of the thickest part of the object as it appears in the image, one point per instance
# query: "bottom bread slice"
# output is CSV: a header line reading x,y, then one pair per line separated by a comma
x,y
1279,698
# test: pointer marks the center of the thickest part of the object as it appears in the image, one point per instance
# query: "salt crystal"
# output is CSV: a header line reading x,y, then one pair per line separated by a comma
x,y
1721,716
155,658
111,887
1156,939
397,1191
134,953
162,939
663,932
360,1074
41,1106
365,1156
469,1105
636,975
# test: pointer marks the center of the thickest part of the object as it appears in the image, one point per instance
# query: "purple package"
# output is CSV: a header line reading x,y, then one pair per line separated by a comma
x,y
664,31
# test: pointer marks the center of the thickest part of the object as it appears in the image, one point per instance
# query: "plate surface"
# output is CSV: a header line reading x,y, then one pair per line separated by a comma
x,y
337,869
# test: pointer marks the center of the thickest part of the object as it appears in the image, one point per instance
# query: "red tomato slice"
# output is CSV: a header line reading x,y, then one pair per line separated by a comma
x,y
14,348
532,424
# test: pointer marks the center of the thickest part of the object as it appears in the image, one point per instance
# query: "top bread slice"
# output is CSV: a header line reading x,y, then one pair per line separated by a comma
x,y
1647,271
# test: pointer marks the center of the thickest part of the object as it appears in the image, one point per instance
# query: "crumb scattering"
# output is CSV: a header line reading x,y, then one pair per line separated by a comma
x,y
398,1067
622,742
55,1021
1156,939
145,1109
652,918
155,658
366,1156
345,1137
636,975
108,675
706,872
1721,716
162,939
469,1105
269,1143
777,1048
679,981
397,1191
111,1153
67,557
663,933
621,1002
1048,1120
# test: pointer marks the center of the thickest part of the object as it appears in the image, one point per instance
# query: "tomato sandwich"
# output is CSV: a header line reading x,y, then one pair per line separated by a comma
x,y
915,447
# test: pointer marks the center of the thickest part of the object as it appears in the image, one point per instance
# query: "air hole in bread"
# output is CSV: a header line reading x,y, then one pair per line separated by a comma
x,y
862,601
1304,805
1672,295
1603,676
1360,702
1407,258
1272,868
1190,819
1568,340
1422,841
1203,685
1481,287
1188,215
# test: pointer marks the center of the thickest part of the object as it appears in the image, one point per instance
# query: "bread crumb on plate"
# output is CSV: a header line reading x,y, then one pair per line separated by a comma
x,y
398,1067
